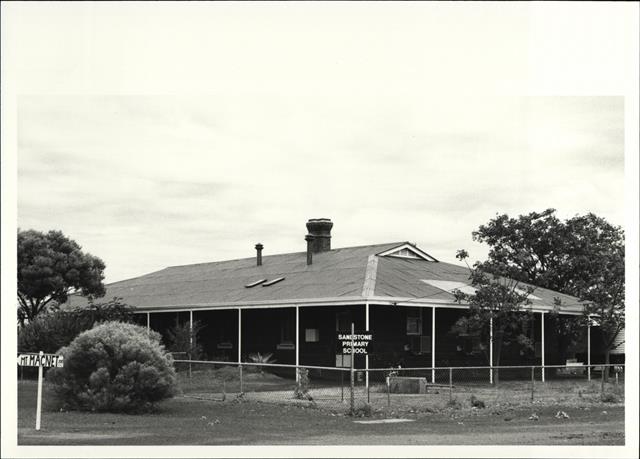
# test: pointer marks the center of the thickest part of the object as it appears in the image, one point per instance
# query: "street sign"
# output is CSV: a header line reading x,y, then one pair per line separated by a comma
x,y
360,341
37,360
40,360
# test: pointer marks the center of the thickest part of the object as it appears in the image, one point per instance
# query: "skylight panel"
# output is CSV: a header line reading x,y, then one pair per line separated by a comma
x,y
451,286
273,281
253,284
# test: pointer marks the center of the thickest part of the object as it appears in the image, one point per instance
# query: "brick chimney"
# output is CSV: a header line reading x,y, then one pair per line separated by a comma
x,y
320,230
259,248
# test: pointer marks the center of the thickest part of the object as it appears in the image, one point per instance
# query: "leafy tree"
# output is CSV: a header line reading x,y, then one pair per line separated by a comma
x,y
499,306
582,256
114,367
50,266
182,338
49,332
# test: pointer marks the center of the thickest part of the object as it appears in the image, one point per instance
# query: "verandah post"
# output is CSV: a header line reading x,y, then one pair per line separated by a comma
x,y
433,345
190,340
450,384
589,348
491,350
240,348
542,343
297,343
366,357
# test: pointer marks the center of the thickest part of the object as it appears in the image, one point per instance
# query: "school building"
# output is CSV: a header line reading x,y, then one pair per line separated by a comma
x,y
292,305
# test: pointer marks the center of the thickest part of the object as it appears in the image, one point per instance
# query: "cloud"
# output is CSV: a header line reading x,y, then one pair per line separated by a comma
x,y
206,177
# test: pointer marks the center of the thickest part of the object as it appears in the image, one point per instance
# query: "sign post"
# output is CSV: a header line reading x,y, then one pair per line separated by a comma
x,y
352,344
40,360
352,402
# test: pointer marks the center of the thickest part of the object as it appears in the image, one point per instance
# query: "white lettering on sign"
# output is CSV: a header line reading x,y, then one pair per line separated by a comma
x,y
360,342
356,337
37,360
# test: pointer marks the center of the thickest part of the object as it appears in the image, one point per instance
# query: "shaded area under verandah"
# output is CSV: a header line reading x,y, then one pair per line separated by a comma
x,y
404,335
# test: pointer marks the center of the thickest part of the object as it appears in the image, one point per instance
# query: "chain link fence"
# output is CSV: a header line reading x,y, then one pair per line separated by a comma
x,y
264,382
418,389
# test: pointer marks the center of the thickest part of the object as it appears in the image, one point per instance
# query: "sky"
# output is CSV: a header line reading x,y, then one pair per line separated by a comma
x,y
235,126
146,182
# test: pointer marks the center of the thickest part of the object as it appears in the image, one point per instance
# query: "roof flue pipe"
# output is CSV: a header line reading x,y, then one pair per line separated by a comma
x,y
259,248
309,239
320,230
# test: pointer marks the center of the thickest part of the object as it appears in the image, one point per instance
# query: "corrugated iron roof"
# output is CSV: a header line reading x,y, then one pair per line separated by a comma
x,y
338,274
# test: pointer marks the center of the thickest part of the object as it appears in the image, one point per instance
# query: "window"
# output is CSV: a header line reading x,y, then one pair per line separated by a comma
x,y
224,340
414,321
343,321
286,334
405,253
343,361
420,344
311,335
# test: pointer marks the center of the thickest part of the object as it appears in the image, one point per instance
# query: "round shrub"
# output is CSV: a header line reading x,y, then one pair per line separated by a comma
x,y
117,367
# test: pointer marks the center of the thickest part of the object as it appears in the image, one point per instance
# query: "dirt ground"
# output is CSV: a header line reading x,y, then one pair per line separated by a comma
x,y
189,421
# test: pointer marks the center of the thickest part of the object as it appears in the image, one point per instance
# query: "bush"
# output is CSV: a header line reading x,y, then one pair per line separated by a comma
x,y
183,340
609,397
259,358
362,411
454,403
50,332
115,367
476,402
301,390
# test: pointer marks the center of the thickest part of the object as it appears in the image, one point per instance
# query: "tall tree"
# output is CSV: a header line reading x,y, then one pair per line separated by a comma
x,y
498,307
50,267
582,256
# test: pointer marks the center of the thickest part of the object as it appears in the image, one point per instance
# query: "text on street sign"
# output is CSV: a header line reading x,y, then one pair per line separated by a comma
x,y
36,360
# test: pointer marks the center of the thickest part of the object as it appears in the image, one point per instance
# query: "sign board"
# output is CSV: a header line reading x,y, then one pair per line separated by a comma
x,y
40,360
37,360
361,342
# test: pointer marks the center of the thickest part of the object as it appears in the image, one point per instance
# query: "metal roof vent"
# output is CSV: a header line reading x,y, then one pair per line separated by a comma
x,y
253,284
274,281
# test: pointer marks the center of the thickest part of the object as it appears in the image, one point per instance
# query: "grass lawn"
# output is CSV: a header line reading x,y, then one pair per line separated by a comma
x,y
189,421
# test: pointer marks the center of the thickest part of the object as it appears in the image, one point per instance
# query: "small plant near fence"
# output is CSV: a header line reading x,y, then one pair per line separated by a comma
x,y
476,402
260,358
454,404
362,411
301,390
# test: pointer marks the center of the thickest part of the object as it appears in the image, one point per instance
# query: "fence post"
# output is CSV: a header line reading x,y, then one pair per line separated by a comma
x,y
368,386
389,389
602,380
352,374
240,371
342,386
532,381
189,367
450,384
